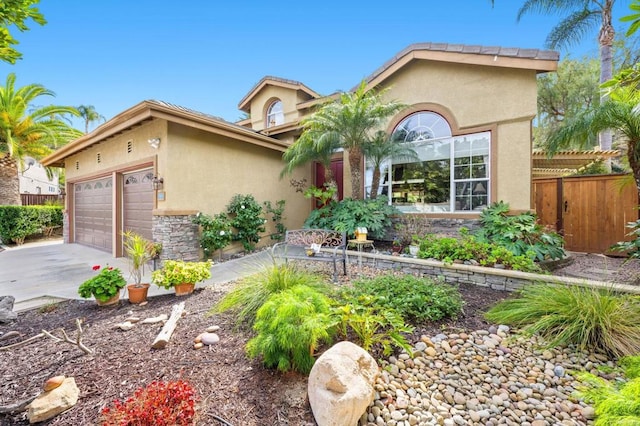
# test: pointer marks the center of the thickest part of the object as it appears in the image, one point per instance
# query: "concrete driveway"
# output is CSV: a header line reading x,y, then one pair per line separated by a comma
x,y
40,273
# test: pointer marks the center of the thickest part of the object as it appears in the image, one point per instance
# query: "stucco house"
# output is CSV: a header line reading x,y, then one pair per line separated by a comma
x,y
155,165
34,179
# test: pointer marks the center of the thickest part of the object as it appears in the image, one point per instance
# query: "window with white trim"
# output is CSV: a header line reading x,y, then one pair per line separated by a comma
x,y
275,114
451,176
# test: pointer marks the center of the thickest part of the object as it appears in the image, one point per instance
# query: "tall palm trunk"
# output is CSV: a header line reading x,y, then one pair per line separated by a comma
x,y
375,183
605,39
355,160
9,182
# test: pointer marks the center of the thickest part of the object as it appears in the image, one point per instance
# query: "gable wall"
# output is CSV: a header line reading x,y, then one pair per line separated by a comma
x,y
202,172
259,104
479,98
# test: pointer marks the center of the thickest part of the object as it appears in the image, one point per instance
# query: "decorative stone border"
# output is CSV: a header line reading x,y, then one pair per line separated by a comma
x,y
497,279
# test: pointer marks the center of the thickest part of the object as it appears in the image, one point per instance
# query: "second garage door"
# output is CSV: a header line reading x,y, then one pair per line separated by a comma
x,y
137,194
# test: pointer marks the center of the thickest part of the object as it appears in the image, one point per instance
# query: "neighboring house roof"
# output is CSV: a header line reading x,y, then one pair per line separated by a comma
x,y
495,56
564,163
150,109
244,103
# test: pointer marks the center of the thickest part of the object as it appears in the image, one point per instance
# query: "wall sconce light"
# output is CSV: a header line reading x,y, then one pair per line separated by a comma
x,y
154,143
157,183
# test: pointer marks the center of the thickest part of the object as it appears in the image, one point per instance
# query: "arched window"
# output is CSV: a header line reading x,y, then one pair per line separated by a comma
x,y
275,114
451,175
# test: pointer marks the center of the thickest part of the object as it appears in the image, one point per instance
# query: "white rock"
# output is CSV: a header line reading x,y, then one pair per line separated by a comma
x,y
341,385
153,320
209,338
126,326
212,329
50,404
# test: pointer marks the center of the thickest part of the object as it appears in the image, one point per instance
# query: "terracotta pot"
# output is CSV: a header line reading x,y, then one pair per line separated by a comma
x,y
184,288
114,300
137,293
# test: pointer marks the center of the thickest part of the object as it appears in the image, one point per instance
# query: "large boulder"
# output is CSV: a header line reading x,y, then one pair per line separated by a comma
x,y
50,404
341,385
6,309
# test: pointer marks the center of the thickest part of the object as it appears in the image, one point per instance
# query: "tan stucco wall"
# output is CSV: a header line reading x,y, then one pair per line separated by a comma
x,y
477,95
480,98
203,172
513,174
289,97
113,152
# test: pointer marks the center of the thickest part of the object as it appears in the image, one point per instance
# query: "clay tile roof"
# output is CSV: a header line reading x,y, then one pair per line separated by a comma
x,y
278,81
496,51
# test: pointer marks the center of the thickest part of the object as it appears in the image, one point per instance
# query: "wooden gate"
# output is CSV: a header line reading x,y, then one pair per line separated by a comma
x,y
591,212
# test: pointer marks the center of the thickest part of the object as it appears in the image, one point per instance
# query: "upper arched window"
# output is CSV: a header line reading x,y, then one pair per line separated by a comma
x,y
275,114
422,126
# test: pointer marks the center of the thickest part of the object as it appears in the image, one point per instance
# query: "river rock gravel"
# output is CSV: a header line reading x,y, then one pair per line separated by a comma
x,y
484,377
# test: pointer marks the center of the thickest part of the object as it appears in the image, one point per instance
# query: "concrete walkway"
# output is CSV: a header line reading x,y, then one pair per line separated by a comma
x,y
40,273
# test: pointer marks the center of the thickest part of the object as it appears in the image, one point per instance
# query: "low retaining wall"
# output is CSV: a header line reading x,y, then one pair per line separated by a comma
x,y
497,279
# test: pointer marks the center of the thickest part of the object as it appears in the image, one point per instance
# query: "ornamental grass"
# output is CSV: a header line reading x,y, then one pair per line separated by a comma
x,y
598,319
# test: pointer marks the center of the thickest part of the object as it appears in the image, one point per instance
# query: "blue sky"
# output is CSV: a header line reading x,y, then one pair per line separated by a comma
x,y
206,55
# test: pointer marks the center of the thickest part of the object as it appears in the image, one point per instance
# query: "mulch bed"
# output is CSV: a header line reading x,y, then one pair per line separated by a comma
x,y
230,386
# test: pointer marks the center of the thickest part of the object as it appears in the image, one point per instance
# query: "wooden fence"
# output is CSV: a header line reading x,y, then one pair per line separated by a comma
x,y
41,199
591,212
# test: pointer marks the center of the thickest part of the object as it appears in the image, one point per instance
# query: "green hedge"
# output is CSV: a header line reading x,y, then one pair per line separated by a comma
x,y
18,222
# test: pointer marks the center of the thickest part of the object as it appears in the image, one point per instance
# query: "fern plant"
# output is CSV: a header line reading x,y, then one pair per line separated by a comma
x,y
290,326
376,327
616,404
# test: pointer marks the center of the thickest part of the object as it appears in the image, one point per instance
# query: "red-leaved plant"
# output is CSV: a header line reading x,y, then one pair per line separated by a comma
x,y
158,404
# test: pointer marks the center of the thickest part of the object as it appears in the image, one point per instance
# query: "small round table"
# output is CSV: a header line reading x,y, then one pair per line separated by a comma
x,y
360,244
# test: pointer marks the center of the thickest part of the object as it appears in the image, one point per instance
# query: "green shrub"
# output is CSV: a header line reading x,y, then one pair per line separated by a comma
x,y
246,218
277,216
18,222
216,232
348,214
591,318
415,299
375,326
631,247
290,326
614,403
253,291
520,233
449,249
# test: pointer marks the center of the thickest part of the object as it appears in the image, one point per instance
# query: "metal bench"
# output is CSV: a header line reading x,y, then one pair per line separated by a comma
x,y
321,245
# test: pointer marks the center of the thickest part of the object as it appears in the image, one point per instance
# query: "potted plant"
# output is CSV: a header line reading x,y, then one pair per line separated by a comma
x,y
414,247
396,246
181,276
105,286
139,250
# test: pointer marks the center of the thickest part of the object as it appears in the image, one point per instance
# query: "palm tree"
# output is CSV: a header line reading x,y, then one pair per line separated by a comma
x,y
621,112
89,115
310,148
349,121
582,15
24,132
382,148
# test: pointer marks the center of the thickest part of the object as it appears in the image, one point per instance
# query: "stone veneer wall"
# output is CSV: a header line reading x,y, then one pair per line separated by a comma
x,y
422,225
65,227
497,279
178,236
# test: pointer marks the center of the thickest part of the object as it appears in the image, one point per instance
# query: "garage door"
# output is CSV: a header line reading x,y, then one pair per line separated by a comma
x,y
137,202
93,213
